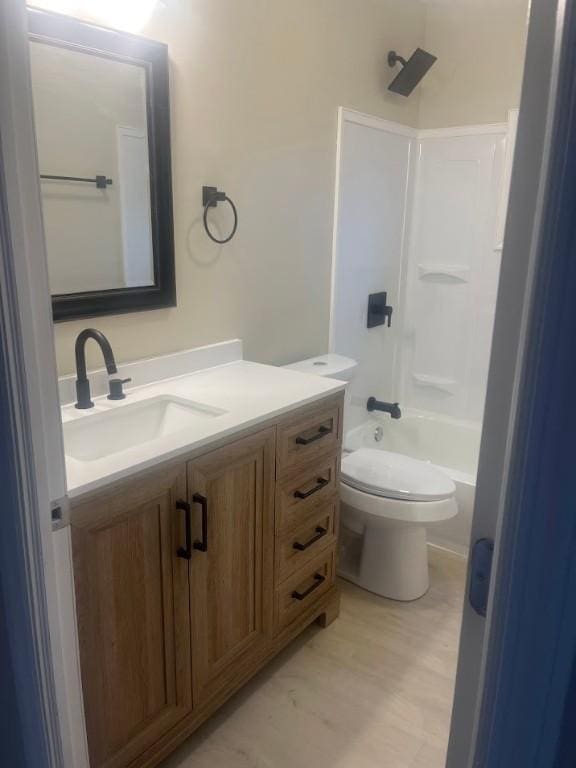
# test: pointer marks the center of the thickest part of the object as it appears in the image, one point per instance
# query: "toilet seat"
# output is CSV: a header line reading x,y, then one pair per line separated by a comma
x,y
383,511
394,476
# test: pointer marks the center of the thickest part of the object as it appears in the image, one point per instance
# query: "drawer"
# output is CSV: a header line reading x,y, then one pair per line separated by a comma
x,y
299,495
309,435
298,593
300,546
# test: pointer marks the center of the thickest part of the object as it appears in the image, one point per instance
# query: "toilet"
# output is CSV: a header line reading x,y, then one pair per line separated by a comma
x,y
388,502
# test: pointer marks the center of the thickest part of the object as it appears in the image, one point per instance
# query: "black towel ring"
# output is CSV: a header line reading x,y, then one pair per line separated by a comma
x,y
210,199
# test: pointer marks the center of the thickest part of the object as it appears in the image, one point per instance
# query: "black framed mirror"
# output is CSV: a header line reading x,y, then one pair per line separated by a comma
x,y
102,114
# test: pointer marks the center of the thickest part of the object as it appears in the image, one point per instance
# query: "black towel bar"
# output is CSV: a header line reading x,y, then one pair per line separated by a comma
x,y
101,181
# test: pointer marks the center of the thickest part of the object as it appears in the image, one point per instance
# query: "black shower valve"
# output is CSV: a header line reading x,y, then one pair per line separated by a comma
x,y
379,311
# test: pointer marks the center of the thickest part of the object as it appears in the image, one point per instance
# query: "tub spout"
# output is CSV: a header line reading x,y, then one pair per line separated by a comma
x,y
377,405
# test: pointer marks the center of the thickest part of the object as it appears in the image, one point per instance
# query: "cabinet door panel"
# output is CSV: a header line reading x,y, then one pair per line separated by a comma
x,y
132,595
231,582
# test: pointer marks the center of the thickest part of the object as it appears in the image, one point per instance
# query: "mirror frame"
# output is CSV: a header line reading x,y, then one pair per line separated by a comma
x,y
64,31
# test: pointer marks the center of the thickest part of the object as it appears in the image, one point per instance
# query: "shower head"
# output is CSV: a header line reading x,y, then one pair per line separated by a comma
x,y
412,70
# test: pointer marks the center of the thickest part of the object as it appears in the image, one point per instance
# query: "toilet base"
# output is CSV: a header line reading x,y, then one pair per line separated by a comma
x,y
383,542
393,562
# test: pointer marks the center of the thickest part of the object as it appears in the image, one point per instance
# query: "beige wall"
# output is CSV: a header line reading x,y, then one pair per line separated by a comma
x,y
255,89
480,46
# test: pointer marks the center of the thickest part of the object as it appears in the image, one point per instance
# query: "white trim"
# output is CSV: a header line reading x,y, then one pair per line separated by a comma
x,y
74,738
46,462
485,129
399,129
334,261
511,132
378,123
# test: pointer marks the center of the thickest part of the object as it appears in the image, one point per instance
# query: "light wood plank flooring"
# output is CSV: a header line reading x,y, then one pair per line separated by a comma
x,y
374,690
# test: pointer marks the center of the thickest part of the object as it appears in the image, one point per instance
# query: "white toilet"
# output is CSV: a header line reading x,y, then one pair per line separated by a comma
x,y
388,500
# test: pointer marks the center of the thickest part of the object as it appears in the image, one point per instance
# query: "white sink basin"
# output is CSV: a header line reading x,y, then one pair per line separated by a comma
x,y
102,434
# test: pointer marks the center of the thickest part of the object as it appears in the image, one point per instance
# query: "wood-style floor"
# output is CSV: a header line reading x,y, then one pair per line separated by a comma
x,y
374,690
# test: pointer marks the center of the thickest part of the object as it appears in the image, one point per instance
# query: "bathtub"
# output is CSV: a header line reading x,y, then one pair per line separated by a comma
x,y
450,445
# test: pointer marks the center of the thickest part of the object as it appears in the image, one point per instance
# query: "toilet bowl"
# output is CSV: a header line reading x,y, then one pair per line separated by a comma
x,y
387,502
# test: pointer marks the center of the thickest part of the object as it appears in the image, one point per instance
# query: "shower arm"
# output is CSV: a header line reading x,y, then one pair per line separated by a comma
x,y
395,58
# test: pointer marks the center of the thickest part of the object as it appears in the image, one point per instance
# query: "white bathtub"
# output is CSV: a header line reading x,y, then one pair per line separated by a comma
x,y
450,445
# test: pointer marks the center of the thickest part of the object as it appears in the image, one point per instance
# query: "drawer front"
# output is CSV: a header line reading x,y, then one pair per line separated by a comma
x,y
298,496
300,546
303,588
309,435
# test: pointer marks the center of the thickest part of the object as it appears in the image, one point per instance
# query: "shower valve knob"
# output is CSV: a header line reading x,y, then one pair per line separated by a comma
x,y
379,311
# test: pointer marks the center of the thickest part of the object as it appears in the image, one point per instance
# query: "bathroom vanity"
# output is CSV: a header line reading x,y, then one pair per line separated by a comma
x,y
194,564
203,503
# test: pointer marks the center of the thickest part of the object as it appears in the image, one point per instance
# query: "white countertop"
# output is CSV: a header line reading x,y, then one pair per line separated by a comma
x,y
249,393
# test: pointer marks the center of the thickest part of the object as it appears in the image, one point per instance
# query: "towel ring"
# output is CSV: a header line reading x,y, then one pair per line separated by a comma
x,y
210,199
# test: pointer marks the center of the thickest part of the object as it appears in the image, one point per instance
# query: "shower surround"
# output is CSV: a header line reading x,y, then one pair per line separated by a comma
x,y
420,214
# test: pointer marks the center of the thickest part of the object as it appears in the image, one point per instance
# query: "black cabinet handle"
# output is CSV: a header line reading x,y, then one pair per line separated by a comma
x,y
322,432
305,494
203,501
185,552
320,533
318,580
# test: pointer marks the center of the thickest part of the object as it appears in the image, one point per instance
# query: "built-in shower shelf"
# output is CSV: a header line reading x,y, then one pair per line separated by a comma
x,y
449,272
448,386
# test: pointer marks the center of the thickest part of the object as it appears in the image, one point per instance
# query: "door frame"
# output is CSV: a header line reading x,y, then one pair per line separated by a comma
x,y
32,730
529,686
521,288
37,609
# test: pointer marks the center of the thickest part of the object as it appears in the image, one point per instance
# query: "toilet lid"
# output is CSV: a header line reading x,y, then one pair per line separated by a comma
x,y
395,476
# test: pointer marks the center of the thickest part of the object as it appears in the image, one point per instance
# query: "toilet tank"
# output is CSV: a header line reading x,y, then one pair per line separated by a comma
x,y
331,365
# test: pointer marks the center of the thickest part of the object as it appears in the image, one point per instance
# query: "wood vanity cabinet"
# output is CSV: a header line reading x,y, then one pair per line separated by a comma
x,y
230,596
189,577
132,604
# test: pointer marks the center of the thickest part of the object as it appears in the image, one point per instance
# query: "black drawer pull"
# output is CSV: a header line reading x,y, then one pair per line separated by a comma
x,y
318,579
320,533
322,432
305,494
185,552
203,501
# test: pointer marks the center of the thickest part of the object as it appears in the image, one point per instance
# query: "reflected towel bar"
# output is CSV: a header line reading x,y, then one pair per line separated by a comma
x,y
101,181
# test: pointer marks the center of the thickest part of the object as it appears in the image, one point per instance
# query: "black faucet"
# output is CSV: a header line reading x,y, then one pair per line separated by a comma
x,y
377,405
82,383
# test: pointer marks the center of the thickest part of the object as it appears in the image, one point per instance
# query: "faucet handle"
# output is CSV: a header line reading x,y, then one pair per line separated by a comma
x,y
116,389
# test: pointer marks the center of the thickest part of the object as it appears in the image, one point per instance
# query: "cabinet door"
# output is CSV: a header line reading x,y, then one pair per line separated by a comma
x,y
132,598
231,581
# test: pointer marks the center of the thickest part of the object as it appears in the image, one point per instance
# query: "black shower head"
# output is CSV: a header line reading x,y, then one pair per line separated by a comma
x,y
412,70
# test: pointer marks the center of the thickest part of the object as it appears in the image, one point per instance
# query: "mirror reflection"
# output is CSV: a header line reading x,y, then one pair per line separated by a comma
x,y
92,135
